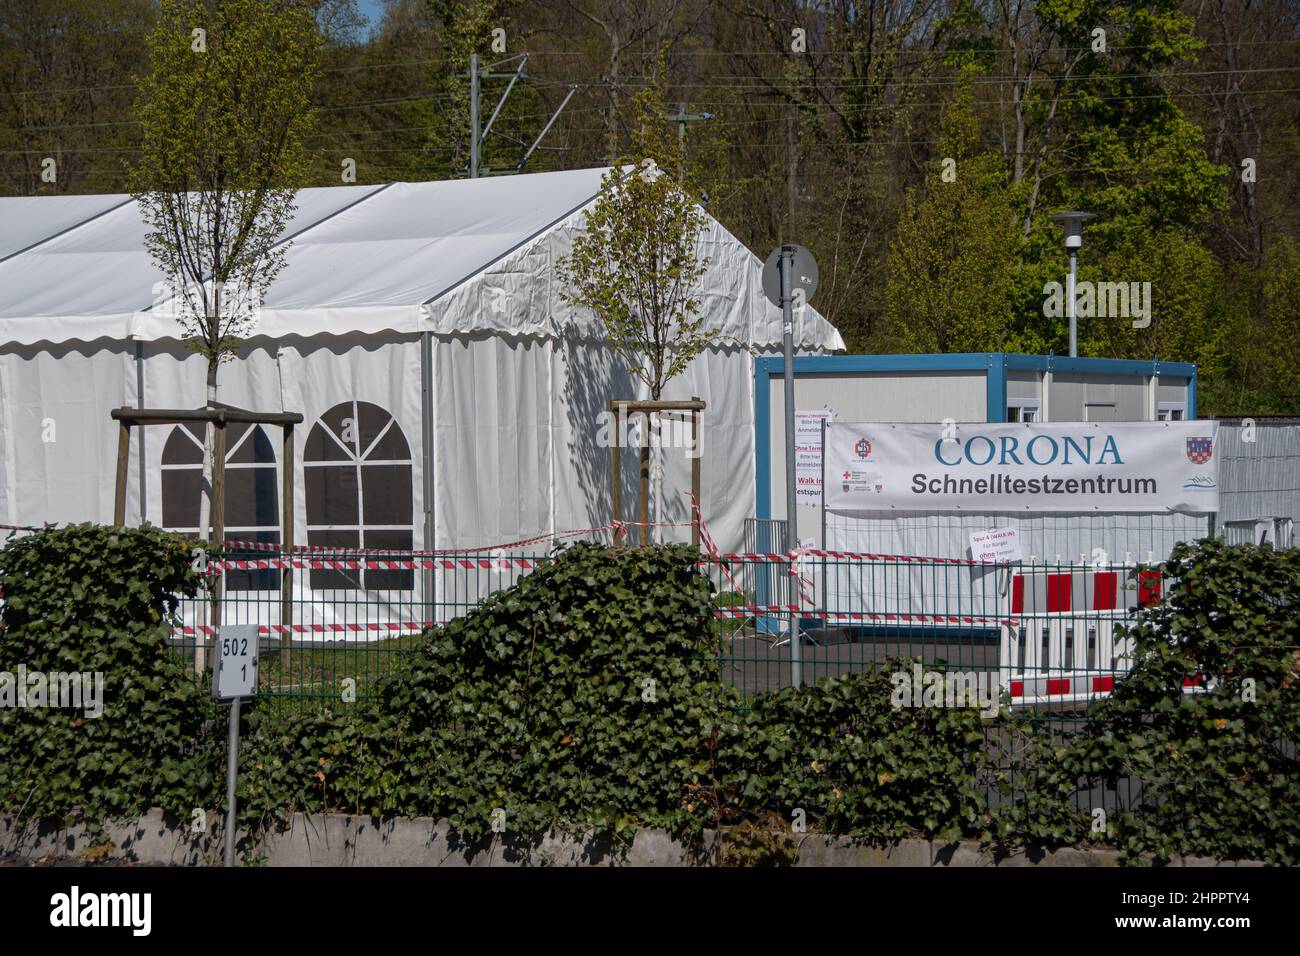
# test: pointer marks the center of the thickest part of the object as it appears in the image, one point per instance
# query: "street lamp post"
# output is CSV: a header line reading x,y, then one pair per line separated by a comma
x,y
1072,223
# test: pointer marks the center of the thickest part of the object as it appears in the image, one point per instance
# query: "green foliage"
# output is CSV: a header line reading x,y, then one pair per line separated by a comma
x,y
1218,767
308,763
588,693
1278,338
952,262
1186,307
64,87
1038,781
464,28
764,842
1145,123
89,599
856,764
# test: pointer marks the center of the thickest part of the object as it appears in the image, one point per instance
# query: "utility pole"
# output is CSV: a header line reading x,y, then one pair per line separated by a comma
x,y
786,265
681,118
792,169
477,136
473,116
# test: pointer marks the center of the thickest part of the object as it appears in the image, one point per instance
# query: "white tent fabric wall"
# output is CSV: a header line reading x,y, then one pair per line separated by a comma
x,y
585,375
493,445
519,377
55,434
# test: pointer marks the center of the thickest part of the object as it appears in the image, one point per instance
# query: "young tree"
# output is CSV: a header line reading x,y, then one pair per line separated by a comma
x,y
637,266
223,117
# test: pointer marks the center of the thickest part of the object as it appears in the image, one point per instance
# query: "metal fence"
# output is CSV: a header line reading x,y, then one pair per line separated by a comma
x,y
332,623
1047,635
1259,470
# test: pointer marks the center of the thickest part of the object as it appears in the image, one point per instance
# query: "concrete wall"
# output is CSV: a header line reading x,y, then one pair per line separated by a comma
x,y
340,840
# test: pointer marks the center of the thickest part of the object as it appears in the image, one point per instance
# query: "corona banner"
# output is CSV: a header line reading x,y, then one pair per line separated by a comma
x,y
1066,467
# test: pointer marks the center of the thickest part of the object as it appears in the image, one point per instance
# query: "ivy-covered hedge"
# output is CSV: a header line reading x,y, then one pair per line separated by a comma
x,y
1219,767
533,705
856,764
588,695
585,695
94,600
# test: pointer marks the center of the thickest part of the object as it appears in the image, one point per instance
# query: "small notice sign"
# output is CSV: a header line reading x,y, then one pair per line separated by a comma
x,y
808,455
236,671
1000,544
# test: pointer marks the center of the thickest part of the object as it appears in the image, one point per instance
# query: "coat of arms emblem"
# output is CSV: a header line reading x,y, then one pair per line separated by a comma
x,y
1199,450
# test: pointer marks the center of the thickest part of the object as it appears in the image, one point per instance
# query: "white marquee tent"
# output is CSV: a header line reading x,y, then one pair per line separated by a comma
x,y
450,395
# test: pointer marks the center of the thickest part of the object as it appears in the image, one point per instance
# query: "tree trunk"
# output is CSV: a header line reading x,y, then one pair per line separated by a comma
x,y
205,501
204,647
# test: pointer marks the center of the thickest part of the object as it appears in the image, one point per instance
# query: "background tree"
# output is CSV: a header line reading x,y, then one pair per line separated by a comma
x,y
223,117
953,257
65,92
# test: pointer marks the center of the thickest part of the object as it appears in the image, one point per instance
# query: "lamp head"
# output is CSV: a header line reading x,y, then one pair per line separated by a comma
x,y
1072,223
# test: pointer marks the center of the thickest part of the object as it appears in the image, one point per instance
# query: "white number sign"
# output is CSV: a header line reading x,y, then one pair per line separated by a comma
x,y
236,672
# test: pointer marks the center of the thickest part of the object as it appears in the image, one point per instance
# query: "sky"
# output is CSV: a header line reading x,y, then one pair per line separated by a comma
x,y
372,10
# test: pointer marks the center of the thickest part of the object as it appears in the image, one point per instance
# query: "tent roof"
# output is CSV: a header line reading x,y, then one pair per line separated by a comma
x,y
401,257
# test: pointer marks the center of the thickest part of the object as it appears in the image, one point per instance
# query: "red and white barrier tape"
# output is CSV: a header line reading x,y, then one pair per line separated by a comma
x,y
233,545
749,610
756,558
394,564
209,631
706,538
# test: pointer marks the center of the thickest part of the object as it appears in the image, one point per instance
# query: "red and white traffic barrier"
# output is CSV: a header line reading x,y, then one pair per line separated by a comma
x,y
1063,640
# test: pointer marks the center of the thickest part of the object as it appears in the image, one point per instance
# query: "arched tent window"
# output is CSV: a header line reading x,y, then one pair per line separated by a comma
x,y
358,474
252,504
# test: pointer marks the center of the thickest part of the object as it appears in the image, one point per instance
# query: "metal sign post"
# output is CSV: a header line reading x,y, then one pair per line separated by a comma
x,y
791,515
234,678
790,273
